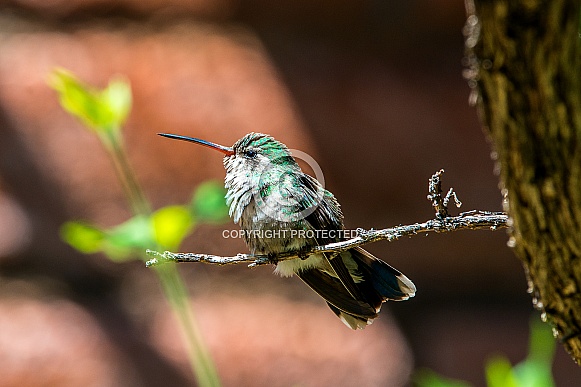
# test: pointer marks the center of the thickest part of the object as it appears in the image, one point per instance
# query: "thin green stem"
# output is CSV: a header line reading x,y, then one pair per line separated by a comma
x,y
135,195
199,357
172,284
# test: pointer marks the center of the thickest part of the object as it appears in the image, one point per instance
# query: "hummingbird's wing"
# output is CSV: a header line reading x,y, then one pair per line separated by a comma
x,y
339,287
327,216
344,275
361,282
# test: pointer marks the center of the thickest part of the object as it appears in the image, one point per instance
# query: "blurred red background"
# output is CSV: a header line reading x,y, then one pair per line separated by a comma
x,y
373,90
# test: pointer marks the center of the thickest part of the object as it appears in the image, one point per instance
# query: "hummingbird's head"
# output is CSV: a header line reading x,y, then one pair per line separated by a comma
x,y
249,155
254,164
256,153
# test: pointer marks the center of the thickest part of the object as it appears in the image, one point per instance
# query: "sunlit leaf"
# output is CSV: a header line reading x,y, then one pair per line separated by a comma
x,y
83,237
531,373
208,203
117,98
499,373
136,232
171,225
535,371
428,378
129,238
76,98
542,343
101,110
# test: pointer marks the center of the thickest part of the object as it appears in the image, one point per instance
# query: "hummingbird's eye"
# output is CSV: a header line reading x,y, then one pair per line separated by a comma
x,y
250,153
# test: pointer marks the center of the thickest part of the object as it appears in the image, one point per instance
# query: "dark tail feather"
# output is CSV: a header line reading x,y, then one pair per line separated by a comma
x,y
352,321
333,291
389,282
357,300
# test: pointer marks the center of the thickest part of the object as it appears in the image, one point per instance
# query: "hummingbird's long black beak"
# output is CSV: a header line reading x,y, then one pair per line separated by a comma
x,y
228,151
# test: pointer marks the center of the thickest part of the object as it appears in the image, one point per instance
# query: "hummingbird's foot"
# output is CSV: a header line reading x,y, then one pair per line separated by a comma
x,y
304,253
272,258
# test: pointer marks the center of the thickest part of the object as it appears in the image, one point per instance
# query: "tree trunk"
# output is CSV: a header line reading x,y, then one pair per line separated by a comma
x,y
523,64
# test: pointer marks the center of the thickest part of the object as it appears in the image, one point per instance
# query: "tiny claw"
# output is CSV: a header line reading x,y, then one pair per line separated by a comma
x,y
304,253
272,258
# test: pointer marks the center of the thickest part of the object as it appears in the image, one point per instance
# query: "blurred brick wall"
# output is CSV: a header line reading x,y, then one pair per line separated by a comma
x,y
373,90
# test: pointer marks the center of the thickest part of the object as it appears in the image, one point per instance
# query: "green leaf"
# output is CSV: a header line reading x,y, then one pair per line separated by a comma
x,y
535,371
208,203
76,98
117,98
83,237
171,225
542,343
101,110
531,373
428,378
129,238
499,373
136,232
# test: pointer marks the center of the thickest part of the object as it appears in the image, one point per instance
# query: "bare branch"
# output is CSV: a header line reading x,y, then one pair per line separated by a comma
x,y
471,220
439,203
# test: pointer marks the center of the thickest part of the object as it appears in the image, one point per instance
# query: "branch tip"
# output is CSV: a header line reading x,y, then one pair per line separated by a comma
x,y
471,220
443,222
439,203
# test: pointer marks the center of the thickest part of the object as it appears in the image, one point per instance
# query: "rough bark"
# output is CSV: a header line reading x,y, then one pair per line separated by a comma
x,y
523,63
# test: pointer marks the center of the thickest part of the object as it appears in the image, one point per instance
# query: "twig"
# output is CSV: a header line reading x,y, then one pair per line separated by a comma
x,y
471,220
440,204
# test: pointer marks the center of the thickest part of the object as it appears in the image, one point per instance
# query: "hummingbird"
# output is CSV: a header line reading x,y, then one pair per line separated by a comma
x,y
281,209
